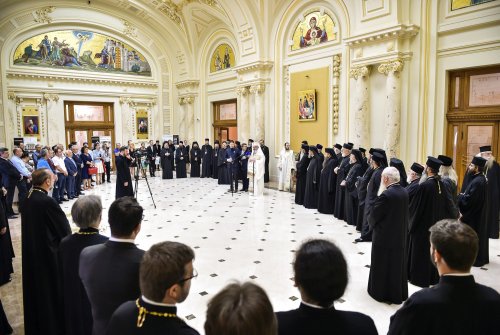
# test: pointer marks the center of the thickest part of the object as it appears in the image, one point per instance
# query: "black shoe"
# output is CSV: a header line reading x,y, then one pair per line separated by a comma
x,y
109,181
361,240
81,193
60,202
64,199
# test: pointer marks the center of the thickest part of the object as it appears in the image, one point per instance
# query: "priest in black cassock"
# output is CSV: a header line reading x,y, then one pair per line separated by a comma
x,y
342,170
215,160
43,226
416,171
473,205
313,176
123,177
165,280
301,175
351,193
427,207
86,213
206,159
195,160
450,181
265,150
172,150
6,249
361,187
321,156
371,194
326,196
166,158
224,177
389,221
181,158
398,164
492,172
457,305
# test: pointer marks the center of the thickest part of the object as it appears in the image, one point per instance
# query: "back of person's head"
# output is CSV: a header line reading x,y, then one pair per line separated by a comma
x,y
320,272
164,265
240,309
124,215
456,242
40,176
87,211
44,153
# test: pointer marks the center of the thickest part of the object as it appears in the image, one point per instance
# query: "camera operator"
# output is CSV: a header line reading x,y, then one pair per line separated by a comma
x,y
123,177
151,154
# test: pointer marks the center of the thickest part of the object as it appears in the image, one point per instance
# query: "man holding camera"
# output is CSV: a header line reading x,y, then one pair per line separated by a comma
x,y
123,177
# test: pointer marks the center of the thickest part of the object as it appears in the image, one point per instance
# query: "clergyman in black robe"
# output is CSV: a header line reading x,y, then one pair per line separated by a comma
x,y
224,176
166,158
361,187
123,177
313,176
450,179
265,150
321,156
351,193
416,171
473,205
5,327
195,160
327,183
398,164
215,161
342,170
301,175
43,226
388,218
86,213
206,159
492,172
181,157
6,249
427,207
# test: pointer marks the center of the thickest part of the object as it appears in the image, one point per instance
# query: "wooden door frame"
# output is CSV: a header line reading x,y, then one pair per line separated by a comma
x,y
217,124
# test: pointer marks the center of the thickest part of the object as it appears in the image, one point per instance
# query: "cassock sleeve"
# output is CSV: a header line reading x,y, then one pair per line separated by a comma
x,y
418,202
378,210
408,320
58,223
332,181
472,198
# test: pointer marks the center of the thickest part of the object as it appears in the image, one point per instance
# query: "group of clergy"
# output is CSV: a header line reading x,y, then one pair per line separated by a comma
x,y
395,210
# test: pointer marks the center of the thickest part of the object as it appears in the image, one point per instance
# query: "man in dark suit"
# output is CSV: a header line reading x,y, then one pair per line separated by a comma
x,y
457,305
110,271
79,166
165,280
72,173
389,222
265,150
151,155
123,177
321,277
10,177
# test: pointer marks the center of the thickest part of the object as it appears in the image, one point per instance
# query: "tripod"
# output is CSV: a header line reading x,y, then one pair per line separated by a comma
x,y
136,186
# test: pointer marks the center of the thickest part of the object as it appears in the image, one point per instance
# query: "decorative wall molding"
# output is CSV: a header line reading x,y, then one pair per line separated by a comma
x,y
51,97
255,66
360,71
42,14
396,32
186,84
242,90
335,92
258,88
395,66
128,29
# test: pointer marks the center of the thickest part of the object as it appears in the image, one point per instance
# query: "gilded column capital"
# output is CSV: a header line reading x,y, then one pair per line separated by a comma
x,y
51,97
394,66
189,99
11,95
257,88
360,72
241,90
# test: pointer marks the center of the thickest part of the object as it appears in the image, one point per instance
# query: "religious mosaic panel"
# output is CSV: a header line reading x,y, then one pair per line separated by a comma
x,y
81,50
459,4
222,58
316,28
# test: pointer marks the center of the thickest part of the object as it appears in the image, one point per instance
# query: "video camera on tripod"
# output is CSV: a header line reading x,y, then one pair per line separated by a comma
x,y
141,158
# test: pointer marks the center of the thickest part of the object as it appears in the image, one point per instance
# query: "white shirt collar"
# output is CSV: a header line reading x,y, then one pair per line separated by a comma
x,y
124,240
458,274
151,302
313,306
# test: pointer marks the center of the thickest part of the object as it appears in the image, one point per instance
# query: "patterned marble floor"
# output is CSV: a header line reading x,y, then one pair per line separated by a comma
x,y
238,237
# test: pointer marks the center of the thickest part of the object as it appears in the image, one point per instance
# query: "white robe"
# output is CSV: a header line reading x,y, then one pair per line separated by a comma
x,y
286,164
256,170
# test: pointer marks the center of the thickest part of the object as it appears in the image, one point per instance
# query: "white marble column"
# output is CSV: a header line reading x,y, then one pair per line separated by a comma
x,y
190,118
182,118
361,111
259,114
392,105
243,113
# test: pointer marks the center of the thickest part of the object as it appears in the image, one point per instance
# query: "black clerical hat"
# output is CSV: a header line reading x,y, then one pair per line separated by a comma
x,y
363,150
417,168
313,148
378,157
338,146
433,163
479,161
207,139
305,147
330,151
319,146
485,148
446,160
348,146
216,142
357,154
371,151
397,163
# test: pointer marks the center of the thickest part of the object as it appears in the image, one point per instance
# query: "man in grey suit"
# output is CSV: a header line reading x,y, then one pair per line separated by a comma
x,y
110,271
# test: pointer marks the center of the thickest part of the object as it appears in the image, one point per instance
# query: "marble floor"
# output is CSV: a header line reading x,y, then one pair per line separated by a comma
x,y
238,237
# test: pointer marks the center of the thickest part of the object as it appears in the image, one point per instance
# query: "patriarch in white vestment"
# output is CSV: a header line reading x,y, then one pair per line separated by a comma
x,y
256,169
286,164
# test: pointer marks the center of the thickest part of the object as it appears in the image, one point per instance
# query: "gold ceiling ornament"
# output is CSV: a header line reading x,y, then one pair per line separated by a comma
x,y
42,14
51,97
129,29
174,11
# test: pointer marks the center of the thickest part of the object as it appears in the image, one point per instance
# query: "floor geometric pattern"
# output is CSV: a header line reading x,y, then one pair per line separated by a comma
x,y
239,237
